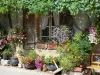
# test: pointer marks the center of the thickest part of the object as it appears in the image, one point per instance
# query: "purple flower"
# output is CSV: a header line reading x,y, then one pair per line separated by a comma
x,y
38,64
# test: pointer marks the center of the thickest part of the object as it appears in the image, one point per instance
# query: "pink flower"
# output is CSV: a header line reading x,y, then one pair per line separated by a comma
x,y
1,42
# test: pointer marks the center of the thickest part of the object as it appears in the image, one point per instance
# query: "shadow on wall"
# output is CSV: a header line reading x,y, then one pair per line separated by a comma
x,y
4,23
81,21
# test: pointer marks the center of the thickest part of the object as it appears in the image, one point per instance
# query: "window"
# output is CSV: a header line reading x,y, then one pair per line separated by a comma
x,y
49,25
49,22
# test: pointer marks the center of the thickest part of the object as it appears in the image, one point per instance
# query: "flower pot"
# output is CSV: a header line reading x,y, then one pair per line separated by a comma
x,y
52,46
29,66
20,59
41,45
14,61
77,69
20,65
51,67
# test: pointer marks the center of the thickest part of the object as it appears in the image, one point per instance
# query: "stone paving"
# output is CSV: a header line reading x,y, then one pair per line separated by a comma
x,y
9,70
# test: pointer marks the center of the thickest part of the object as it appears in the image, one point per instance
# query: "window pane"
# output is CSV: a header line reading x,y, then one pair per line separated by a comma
x,y
45,39
53,24
45,32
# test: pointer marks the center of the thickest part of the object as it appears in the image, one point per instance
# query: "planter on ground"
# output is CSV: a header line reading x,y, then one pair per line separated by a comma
x,y
14,61
51,67
29,66
5,62
52,46
77,69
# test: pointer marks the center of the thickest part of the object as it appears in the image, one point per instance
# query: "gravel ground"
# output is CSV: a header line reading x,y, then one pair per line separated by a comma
x,y
8,70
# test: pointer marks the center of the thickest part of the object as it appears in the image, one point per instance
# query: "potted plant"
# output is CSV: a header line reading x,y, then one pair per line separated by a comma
x,y
20,57
51,63
75,51
7,54
29,60
15,38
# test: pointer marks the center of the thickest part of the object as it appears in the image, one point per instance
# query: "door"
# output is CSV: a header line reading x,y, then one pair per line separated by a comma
x,y
29,27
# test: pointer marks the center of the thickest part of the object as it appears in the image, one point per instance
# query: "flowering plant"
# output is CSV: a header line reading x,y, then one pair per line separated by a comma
x,y
61,33
3,40
30,58
92,35
27,60
16,35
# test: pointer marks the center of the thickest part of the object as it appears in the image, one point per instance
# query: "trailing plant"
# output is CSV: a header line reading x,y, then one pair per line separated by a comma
x,y
61,33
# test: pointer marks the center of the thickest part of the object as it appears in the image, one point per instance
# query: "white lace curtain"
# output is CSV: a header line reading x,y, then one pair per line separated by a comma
x,y
44,20
56,19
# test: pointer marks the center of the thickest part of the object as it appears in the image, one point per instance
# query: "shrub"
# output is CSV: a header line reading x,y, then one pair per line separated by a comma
x,y
75,51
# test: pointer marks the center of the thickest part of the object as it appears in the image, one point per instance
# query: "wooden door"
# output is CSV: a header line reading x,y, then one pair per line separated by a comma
x,y
29,27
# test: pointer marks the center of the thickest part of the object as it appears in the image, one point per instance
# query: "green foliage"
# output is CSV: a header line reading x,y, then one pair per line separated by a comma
x,y
32,54
29,59
75,51
78,5
7,51
48,60
43,6
10,5
38,6
1,33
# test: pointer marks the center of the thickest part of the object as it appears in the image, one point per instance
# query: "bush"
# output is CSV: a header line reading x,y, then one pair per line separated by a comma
x,y
75,51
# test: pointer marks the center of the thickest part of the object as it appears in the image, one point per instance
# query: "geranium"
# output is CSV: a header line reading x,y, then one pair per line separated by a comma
x,y
16,35
28,60
92,35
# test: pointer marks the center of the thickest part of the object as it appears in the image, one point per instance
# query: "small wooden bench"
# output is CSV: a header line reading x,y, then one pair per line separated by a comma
x,y
95,67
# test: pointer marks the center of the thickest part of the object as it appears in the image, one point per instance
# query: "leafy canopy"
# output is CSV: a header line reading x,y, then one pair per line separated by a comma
x,y
43,6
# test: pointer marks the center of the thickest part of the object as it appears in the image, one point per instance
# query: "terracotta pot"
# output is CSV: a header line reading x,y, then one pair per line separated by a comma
x,y
77,69
52,46
41,45
20,59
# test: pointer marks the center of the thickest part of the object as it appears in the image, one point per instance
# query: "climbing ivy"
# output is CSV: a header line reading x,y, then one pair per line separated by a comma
x,y
43,6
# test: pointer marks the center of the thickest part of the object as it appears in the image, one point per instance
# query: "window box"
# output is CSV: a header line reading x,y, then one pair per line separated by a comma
x,y
41,45
52,46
